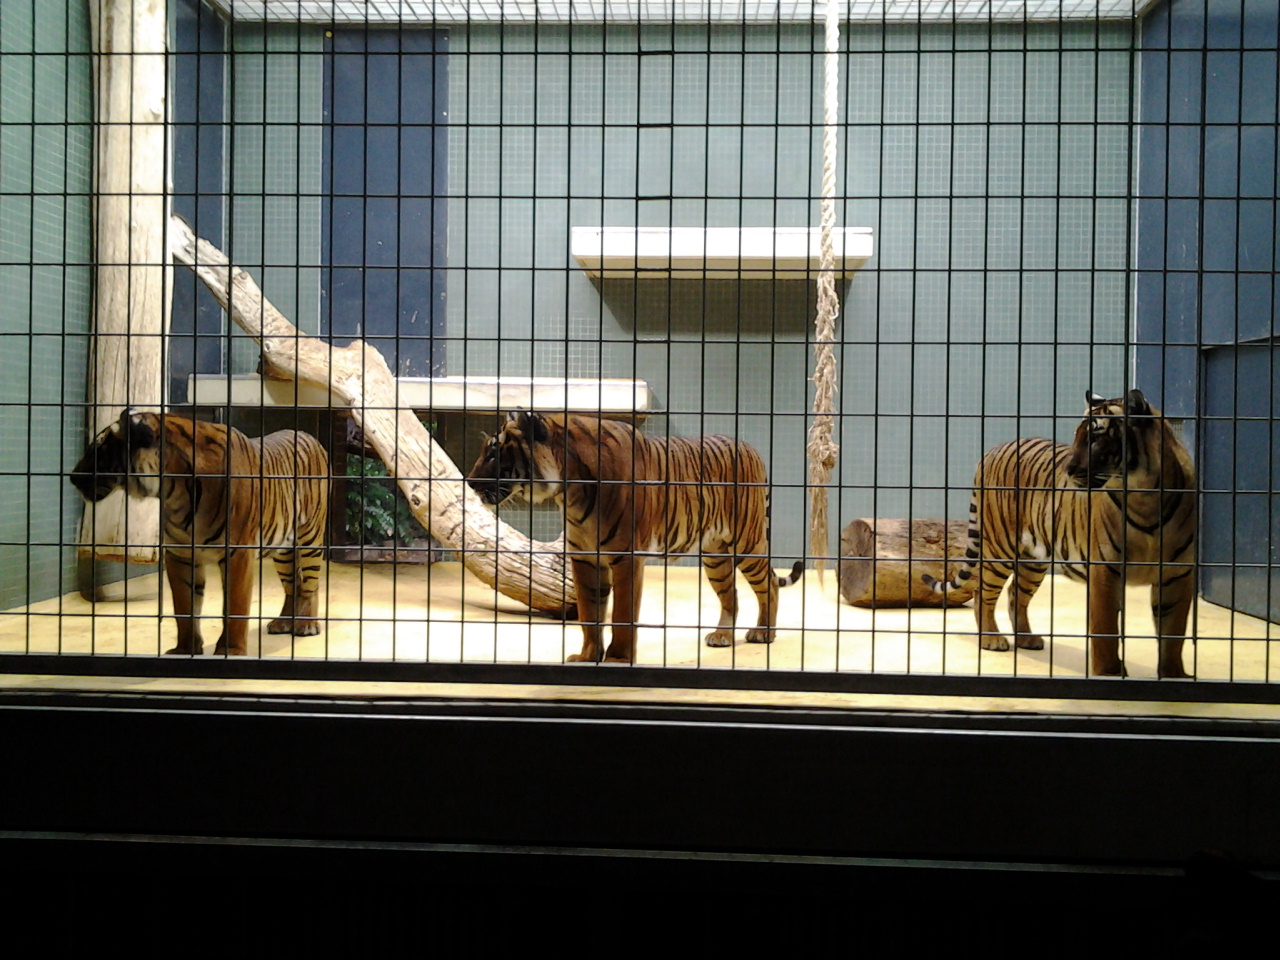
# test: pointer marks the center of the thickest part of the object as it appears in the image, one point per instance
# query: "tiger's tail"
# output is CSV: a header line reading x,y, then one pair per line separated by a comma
x,y
793,577
971,554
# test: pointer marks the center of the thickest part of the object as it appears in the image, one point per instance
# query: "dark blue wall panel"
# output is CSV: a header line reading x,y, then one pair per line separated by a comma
x,y
1207,310
386,162
1240,545
198,75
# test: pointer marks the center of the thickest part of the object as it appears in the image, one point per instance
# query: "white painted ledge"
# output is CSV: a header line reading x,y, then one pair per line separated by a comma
x,y
697,253
472,394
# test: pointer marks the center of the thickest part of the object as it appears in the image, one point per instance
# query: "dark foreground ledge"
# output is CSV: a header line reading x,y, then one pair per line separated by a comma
x,y
554,808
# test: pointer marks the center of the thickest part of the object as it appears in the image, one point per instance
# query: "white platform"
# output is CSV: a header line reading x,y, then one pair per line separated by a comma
x,y
697,253
478,394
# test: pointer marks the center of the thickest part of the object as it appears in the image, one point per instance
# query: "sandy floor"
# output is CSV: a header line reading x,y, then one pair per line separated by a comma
x,y
442,614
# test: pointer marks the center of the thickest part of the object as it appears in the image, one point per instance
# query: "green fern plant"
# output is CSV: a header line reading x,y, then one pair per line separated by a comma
x,y
376,509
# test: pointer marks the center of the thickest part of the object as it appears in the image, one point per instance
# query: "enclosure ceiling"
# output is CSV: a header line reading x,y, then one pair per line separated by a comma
x,y
667,11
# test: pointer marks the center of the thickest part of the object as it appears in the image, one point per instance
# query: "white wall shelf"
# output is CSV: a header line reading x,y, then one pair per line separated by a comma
x,y
698,253
471,394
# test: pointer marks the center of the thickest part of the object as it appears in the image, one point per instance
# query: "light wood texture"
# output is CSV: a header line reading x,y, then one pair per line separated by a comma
x,y
131,299
882,561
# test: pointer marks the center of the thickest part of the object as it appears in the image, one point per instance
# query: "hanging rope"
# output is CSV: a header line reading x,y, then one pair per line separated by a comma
x,y
822,447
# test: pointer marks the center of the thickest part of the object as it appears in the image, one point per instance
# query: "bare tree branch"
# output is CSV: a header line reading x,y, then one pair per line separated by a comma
x,y
530,571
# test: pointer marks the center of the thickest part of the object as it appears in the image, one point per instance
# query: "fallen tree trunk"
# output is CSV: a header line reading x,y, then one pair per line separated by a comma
x,y
882,561
527,570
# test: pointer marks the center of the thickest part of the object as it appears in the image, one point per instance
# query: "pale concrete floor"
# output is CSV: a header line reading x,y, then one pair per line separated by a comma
x,y
443,614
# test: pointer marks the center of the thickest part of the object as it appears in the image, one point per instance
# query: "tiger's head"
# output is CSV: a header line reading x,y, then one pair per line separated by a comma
x,y
125,454
1113,439
517,462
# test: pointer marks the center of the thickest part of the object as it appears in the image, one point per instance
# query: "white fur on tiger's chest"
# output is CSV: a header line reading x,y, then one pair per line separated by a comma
x,y
546,486
546,483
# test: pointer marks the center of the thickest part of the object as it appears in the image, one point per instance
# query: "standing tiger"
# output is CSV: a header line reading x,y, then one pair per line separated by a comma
x,y
224,497
627,496
1118,504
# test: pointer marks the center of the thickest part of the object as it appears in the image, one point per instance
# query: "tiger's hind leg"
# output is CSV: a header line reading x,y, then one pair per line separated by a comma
x,y
186,585
764,582
1026,581
299,572
719,571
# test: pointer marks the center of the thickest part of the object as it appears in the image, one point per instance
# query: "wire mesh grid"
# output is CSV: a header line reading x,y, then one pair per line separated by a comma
x,y
537,221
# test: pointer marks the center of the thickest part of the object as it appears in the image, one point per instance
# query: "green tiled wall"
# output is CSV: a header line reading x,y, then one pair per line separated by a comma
x,y
45,165
277,101
993,163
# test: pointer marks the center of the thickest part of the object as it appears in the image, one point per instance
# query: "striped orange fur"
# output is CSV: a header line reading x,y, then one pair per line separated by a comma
x,y
627,497
1116,505
224,498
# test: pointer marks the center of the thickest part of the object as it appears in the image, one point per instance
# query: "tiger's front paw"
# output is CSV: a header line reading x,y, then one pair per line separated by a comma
x,y
221,649
720,638
180,650
759,635
994,641
1030,641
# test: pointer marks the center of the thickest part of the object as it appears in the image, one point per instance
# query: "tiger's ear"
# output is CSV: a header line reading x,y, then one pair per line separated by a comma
x,y
529,426
137,428
1091,399
1136,404
537,428
513,426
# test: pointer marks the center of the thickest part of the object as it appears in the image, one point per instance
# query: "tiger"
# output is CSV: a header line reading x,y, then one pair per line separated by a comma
x,y
1116,505
627,497
224,497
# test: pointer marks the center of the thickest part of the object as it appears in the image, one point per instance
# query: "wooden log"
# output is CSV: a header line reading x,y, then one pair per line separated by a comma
x,y
527,570
131,297
882,561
